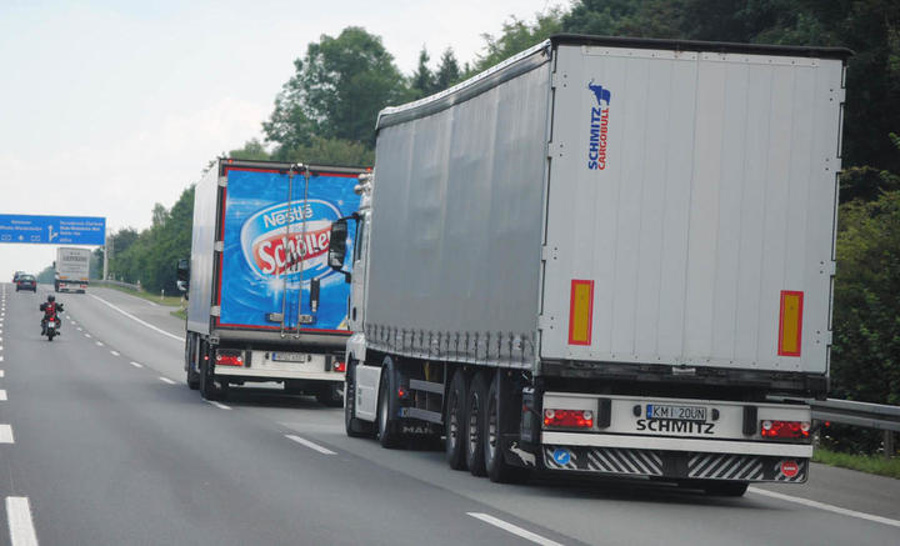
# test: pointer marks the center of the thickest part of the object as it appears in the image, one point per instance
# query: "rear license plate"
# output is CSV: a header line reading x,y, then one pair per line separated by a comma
x,y
290,357
676,413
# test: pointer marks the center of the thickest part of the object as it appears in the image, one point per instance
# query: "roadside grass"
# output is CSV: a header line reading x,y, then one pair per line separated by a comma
x,y
871,464
169,301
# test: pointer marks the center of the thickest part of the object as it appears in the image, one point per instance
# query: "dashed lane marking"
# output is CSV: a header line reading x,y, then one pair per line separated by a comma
x,y
826,507
139,321
136,365
115,353
99,344
2,372
21,526
87,335
514,529
311,445
219,405
6,435
166,380
80,329
2,395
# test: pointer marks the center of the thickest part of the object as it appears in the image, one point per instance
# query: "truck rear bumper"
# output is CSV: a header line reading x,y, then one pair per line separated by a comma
x,y
676,465
273,375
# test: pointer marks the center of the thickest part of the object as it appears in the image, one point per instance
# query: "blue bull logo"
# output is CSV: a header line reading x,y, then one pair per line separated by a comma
x,y
602,95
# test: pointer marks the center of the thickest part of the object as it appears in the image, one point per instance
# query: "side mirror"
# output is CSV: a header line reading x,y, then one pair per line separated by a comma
x,y
337,247
184,270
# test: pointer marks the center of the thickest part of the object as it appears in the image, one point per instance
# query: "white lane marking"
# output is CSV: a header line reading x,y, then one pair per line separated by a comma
x,y
1,360
310,445
139,321
115,353
80,329
3,395
21,526
87,334
218,404
514,529
99,344
2,372
166,380
6,435
826,507
136,365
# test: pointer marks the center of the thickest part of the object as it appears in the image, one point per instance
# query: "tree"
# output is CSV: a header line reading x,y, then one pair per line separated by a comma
x,y
337,91
448,72
422,81
252,150
518,36
329,151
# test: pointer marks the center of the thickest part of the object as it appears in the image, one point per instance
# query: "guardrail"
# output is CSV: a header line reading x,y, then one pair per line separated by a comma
x,y
117,283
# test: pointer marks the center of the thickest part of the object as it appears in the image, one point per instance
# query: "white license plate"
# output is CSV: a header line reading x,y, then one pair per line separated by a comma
x,y
291,357
676,413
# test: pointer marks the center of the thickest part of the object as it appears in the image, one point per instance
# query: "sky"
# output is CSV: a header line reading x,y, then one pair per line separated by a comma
x,y
110,106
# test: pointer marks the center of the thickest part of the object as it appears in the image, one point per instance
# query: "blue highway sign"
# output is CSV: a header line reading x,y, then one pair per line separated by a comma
x,y
52,230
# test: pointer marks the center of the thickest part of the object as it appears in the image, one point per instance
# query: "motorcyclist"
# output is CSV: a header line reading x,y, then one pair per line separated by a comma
x,y
50,309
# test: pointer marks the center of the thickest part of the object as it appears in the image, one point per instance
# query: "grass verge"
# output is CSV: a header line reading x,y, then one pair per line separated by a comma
x,y
171,301
872,464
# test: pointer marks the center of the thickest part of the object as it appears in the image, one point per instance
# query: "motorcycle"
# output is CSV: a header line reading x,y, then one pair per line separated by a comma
x,y
52,328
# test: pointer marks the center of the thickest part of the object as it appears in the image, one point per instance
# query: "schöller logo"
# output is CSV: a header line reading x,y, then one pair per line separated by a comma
x,y
599,128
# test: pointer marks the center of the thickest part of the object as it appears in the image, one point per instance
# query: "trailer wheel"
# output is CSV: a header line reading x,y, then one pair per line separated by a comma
x,y
475,412
498,470
191,354
355,428
454,422
388,434
725,489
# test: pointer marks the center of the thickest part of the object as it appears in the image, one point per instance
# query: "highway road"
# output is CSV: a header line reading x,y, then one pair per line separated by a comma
x,y
102,443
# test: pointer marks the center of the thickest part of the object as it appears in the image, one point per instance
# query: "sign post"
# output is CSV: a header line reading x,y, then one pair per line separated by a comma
x,y
53,230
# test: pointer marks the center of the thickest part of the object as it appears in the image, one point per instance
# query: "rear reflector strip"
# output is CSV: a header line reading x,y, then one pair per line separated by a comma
x,y
790,328
581,312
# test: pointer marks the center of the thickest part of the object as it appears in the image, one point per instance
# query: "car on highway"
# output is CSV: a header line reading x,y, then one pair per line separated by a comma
x,y
16,276
26,282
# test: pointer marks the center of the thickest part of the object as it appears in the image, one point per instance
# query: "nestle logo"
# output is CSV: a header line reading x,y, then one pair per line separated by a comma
x,y
599,127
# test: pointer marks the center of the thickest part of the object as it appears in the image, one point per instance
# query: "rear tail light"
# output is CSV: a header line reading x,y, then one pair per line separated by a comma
x,y
340,366
229,360
784,429
567,418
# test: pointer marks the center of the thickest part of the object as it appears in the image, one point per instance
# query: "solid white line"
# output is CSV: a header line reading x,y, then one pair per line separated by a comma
x,y
826,507
139,321
218,404
166,380
514,529
3,395
6,435
21,527
311,445
115,353
136,365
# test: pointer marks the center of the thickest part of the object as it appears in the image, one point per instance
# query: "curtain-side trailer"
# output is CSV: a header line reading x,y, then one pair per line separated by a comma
x,y
263,305
605,255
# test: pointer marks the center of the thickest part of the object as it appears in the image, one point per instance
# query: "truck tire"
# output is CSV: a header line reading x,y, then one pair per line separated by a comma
x,y
355,428
191,354
454,422
725,489
388,433
208,388
330,394
475,413
498,470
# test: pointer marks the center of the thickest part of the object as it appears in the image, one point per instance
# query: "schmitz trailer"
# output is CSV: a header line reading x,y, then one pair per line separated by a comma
x,y
72,269
263,304
604,256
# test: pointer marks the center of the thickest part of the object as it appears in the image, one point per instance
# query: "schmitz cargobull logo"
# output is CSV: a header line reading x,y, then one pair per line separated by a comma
x,y
276,242
597,140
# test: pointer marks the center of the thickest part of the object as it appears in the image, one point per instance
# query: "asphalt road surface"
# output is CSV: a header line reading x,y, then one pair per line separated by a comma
x,y
102,443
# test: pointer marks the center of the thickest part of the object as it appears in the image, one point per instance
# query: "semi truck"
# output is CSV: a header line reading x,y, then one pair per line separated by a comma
x,y
605,256
72,269
263,305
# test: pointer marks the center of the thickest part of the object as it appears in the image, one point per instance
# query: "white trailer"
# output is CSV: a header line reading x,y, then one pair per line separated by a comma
x,y
605,255
72,269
